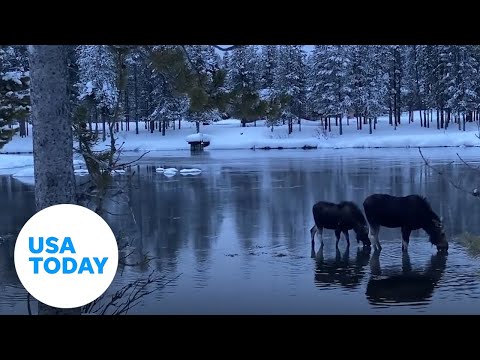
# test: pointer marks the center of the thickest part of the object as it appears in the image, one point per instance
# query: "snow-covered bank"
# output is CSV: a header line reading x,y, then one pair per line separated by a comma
x,y
229,135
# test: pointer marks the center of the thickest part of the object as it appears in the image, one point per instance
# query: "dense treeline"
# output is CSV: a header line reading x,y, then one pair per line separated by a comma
x,y
115,86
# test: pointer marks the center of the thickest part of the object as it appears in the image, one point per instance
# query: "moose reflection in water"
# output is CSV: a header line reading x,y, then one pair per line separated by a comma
x,y
340,270
407,285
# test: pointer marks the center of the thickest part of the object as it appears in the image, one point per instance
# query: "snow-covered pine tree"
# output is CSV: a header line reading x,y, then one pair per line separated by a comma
x,y
267,67
14,91
98,79
207,93
332,66
415,81
359,72
462,89
376,84
242,78
436,63
316,81
290,83
268,64
393,66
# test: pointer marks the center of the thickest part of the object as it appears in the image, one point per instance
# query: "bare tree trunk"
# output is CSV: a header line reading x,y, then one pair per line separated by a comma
x,y
370,125
104,124
96,120
136,97
53,136
341,127
23,131
127,112
90,126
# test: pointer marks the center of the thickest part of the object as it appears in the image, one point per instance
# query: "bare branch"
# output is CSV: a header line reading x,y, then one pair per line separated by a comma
x,y
474,168
135,290
456,186
28,304
131,162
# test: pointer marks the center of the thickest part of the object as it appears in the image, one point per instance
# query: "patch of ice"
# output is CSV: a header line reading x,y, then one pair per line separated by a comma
x,y
190,171
81,172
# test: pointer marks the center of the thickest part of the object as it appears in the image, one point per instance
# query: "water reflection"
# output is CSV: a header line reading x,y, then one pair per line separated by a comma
x,y
340,270
405,285
246,221
8,275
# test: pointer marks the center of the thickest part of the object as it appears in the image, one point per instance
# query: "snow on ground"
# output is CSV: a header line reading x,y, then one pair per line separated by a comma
x,y
25,175
229,135
21,167
9,164
16,156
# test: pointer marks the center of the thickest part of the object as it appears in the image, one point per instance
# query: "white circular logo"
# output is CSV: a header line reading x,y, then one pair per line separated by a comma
x,y
66,256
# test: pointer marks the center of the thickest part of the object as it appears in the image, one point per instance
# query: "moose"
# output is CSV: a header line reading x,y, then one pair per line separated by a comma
x,y
411,212
341,217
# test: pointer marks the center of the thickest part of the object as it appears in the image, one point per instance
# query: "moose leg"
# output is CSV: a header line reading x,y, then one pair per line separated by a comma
x,y
313,231
337,235
405,238
347,237
373,235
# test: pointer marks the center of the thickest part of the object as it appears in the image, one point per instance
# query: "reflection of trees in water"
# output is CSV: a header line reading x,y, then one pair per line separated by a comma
x,y
247,205
17,204
405,285
340,271
8,274
287,199
170,212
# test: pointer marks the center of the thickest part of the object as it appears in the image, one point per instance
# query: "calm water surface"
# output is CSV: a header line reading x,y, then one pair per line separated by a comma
x,y
235,239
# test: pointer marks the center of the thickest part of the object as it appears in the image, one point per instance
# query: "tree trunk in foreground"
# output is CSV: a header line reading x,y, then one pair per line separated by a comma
x,y
52,136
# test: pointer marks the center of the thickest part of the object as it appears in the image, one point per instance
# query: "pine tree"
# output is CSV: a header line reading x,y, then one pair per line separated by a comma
x,y
332,68
14,91
376,84
462,89
98,79
268,65
245,102
290,83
